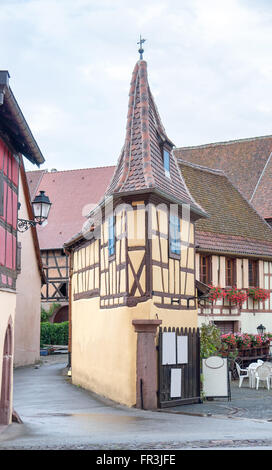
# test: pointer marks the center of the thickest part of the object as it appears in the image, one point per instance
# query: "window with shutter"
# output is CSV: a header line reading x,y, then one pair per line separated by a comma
x,y
230,272
253,273
205,267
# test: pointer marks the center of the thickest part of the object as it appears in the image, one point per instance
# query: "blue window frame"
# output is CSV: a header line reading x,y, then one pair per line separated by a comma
x,y
111,235
174,235
166,162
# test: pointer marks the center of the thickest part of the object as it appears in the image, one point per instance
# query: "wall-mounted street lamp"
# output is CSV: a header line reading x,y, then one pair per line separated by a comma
x,y
261,329
41,207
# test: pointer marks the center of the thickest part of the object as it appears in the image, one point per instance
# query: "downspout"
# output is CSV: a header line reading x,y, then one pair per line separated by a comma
x,y
70,254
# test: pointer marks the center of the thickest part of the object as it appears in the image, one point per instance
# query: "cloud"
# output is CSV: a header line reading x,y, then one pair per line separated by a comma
x,y
71,63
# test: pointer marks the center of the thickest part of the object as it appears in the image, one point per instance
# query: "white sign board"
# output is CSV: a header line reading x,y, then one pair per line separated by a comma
x,y
215,377
169,348
175,389
182,347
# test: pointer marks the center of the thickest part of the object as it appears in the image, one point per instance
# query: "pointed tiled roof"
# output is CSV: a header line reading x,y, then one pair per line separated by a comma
x,y
140,166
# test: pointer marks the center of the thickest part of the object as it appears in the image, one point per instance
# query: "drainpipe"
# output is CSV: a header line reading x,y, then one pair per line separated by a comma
x,y
69,254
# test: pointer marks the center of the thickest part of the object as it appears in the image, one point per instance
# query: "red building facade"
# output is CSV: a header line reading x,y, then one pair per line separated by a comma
x,y
9,175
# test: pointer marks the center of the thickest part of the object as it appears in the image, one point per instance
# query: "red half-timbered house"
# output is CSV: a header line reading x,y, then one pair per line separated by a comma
x,y
16,140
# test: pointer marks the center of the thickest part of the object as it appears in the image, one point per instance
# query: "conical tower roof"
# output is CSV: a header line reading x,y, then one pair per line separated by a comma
x,y
140,167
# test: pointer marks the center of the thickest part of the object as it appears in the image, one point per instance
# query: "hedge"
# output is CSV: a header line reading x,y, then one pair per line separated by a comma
x,y
54,333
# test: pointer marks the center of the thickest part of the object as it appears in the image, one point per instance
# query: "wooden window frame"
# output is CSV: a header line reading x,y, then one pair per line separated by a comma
x,y
233,272
208,275
255,275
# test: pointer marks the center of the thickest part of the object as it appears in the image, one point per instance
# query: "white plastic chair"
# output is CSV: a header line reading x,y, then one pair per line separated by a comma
x,y
263,373
243,374
251,371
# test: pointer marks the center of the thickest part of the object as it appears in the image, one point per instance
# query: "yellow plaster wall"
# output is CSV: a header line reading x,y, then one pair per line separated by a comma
x,y
103,339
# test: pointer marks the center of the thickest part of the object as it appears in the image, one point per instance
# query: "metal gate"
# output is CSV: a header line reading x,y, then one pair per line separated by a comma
x,y
179,366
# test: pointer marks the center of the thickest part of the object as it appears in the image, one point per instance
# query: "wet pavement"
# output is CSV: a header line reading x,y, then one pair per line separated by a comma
x,y
59,415
245,403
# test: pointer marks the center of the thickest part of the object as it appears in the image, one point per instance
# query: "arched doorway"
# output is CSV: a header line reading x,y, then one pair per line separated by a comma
x,y
5,408
61,314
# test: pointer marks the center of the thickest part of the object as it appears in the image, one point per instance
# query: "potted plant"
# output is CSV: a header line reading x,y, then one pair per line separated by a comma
x,y
258,294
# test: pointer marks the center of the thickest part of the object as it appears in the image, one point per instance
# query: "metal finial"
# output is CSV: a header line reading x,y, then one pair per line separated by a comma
x,y
141,48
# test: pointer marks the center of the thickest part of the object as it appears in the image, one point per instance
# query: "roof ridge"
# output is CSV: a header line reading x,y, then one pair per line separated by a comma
x,y
262,174
72,169
202,167
226,142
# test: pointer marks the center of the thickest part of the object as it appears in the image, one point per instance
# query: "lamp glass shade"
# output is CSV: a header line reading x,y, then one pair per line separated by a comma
x,y
41,207
261,329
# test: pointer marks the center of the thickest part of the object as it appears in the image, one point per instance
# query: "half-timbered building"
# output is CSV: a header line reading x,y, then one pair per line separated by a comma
x,y
132,267
16,139
233,249
71,197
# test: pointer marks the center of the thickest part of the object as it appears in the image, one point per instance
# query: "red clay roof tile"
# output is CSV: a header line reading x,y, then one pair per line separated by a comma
x,y
70,192
245,163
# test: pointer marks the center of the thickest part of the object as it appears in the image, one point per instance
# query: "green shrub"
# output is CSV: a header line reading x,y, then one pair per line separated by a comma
x,y
210,340
46,314
54,333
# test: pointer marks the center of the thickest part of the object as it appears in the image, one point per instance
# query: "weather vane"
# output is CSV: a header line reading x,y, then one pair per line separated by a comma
x,y
141,48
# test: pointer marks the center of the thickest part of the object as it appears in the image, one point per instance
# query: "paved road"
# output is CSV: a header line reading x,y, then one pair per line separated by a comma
x,y
59,415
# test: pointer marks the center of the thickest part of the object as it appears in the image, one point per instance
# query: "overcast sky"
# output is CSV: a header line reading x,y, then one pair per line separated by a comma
x,y
70,61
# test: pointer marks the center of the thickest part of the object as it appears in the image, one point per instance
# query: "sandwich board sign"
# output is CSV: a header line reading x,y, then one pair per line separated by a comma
x,y
216,377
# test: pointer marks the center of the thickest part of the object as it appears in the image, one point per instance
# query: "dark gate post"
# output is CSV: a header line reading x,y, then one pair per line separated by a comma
x,y
146,367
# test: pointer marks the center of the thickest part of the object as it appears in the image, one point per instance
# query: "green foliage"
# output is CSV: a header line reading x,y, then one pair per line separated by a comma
x,y
54,333
46,314
210,340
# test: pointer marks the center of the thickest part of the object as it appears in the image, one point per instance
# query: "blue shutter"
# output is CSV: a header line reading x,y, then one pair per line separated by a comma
x,y
174,234
111,236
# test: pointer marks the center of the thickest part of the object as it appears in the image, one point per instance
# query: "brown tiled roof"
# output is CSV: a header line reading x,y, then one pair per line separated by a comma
x,y
244,162
140,166
69,191
233,226
262,197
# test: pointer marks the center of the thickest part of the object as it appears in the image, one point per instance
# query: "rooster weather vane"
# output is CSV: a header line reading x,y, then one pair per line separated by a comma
x,y
141,47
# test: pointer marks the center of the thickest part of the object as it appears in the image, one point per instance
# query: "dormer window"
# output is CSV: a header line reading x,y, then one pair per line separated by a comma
x,y
166,162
